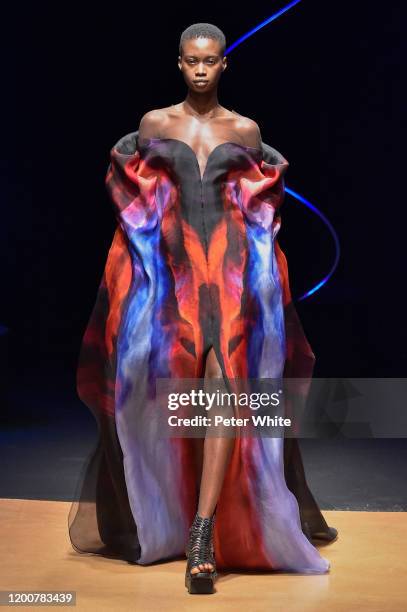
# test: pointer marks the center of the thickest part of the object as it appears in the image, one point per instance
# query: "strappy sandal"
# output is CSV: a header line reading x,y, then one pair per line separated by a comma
x,y
200,550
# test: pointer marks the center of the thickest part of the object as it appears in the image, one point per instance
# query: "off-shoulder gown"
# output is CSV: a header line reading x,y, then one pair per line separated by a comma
x,y
194,263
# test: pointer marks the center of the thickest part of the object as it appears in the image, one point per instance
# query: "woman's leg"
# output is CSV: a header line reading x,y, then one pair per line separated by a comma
x,y
215,459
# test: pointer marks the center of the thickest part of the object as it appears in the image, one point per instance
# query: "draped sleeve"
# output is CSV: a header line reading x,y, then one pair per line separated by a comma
x,y
138,194
261,195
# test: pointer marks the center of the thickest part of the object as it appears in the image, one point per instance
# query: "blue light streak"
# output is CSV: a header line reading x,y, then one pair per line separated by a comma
x,y
261,25
329,225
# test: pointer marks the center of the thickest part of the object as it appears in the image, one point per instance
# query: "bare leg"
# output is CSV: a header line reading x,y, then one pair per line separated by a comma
x,y
216,455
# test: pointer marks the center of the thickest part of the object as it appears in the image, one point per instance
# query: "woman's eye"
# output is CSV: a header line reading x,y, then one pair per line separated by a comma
x,y
194,61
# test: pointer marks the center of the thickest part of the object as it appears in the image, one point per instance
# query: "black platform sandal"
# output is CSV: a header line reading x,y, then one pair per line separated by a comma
x,y
200,550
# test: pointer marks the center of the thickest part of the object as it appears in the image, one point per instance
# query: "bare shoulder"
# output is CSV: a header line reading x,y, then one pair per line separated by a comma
x,y
153,122
248,129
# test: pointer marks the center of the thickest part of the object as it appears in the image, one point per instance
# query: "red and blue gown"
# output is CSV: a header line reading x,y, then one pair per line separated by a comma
x,y
194,263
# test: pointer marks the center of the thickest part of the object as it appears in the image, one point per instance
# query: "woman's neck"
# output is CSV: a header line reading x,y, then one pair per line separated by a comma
x,y
201,105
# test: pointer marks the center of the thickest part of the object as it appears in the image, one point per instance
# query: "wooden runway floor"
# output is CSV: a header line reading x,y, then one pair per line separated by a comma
x,y
368,569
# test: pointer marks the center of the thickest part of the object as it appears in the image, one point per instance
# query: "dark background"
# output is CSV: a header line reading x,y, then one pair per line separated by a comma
x,y
324,83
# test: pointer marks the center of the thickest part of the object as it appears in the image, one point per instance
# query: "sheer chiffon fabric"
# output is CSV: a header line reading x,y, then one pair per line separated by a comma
x,y
194,263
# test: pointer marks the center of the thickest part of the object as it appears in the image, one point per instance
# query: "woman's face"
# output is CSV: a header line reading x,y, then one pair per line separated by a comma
x,y
201,61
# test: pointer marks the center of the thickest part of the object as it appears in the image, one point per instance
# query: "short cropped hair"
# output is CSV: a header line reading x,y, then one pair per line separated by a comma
x,y
205,30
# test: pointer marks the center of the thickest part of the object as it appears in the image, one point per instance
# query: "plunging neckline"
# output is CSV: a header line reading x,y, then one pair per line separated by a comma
x,y
221,144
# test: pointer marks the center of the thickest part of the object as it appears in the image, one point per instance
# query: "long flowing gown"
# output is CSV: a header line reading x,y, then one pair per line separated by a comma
x,y
194,262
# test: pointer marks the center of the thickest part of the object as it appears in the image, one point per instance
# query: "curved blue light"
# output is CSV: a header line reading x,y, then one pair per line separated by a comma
x,y
290,191
261,25
329,225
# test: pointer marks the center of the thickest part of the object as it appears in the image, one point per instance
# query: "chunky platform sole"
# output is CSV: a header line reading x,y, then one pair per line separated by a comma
x,y
330,536
200,583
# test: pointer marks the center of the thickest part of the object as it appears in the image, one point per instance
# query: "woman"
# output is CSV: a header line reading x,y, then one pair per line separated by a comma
x,y
195,286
